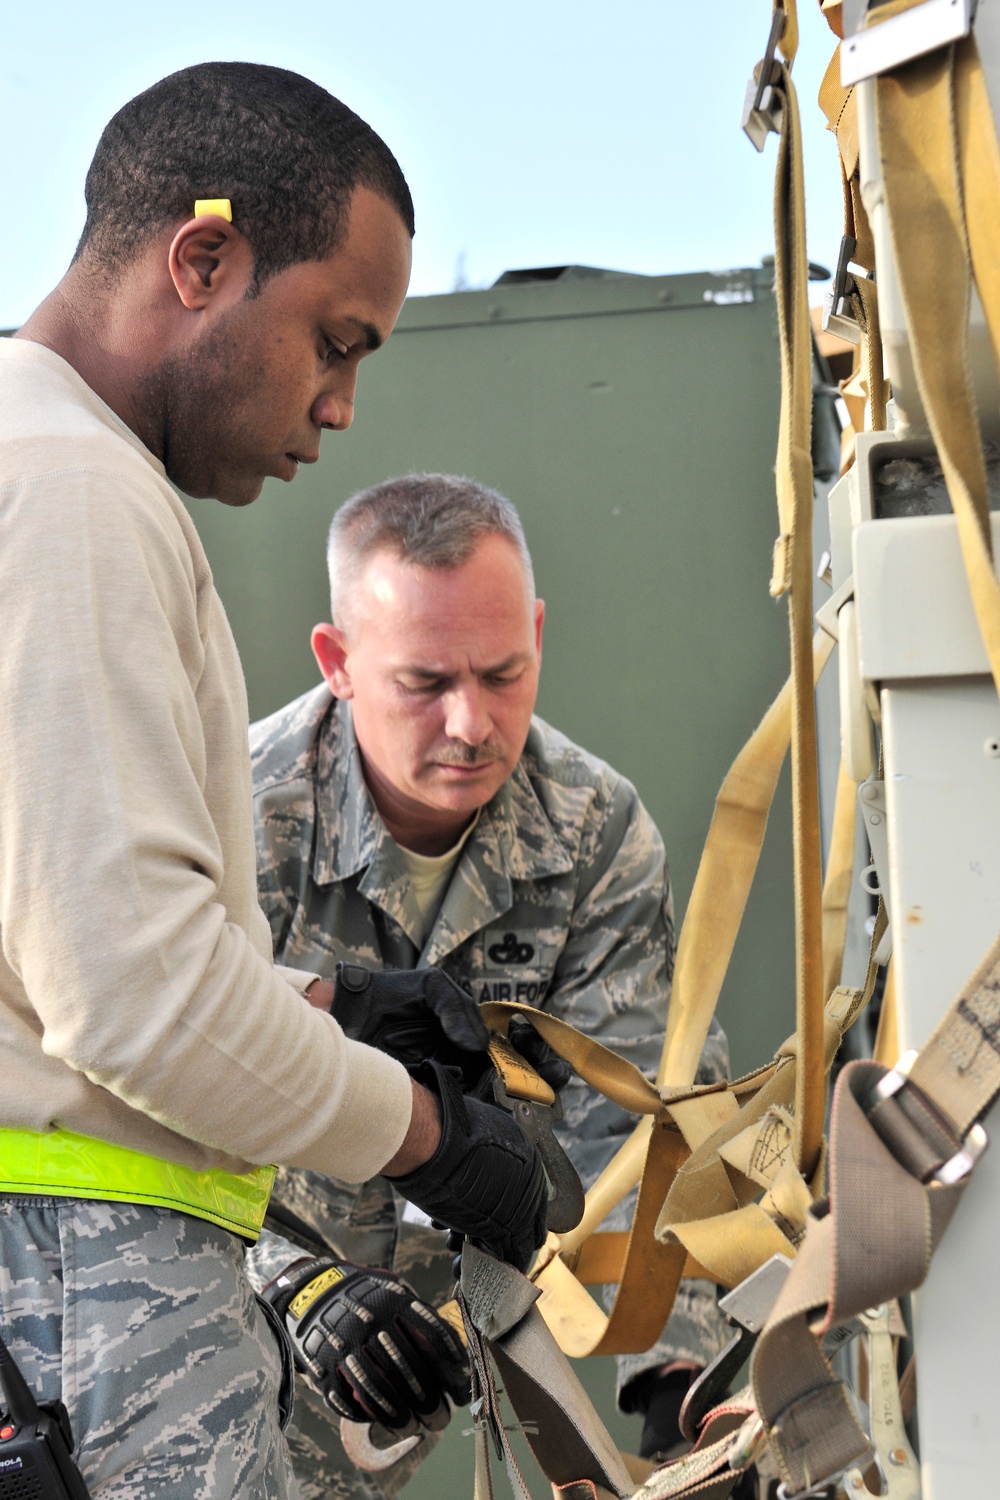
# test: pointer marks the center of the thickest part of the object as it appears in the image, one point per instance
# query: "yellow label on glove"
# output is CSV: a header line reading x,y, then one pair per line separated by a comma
x,y
314,1289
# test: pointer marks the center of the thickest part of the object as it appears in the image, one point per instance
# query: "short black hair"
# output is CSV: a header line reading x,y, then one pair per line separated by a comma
x,y
287,155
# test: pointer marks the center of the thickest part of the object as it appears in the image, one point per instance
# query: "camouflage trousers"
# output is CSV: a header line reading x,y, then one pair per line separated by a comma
x,y
361,1224
143,1322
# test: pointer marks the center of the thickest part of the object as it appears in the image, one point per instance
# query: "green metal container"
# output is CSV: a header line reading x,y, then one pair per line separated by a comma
x,y
632,420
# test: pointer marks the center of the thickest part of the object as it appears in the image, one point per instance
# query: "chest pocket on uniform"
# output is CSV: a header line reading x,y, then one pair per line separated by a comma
x,y
512,964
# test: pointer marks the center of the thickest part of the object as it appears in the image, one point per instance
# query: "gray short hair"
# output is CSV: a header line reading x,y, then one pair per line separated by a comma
x,y
432,520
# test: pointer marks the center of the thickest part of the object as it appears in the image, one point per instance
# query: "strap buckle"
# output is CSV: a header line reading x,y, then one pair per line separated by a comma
x,y
823,1486
913,33
746,1308
838,315
566,1197
761,105
974,1142
748,1444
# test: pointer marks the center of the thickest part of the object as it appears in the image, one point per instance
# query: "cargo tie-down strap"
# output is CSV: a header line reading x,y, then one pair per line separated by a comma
x,y
904,1141
706,1155
793,574
649,1269
866,383
676,1148
682,1118
570,1442
504,1309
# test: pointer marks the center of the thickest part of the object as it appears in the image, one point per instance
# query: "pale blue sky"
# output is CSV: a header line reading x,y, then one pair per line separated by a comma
x,y
531,134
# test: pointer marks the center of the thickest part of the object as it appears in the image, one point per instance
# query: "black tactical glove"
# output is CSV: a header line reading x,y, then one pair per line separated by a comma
x,y
485,1180
412,1014
659,1396
535,1050
373,1349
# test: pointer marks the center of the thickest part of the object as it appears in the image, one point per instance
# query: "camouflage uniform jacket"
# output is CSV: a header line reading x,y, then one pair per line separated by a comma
x,y
561,898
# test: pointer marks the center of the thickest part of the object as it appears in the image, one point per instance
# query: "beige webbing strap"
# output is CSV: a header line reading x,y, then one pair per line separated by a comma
x,y
887,1211
649,1284
958,1069
793,574
617,1078
788,42
867,379
705,1471
517,1076
559,1422
650,1272
887,1047
865,303
919,116
725,874
839,877
710,1209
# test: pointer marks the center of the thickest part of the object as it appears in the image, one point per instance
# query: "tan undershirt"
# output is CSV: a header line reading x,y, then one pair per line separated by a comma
x,y
429,876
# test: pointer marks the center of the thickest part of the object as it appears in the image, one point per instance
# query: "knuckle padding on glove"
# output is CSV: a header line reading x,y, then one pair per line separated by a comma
x,y
374,1349
456,1010
410,1013
485,1179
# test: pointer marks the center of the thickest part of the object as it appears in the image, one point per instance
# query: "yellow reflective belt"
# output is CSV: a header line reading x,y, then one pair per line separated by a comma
x,y
65,1165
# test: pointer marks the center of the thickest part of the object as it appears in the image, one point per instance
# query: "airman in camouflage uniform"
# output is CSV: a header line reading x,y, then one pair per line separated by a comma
x,y
561,898
142,1322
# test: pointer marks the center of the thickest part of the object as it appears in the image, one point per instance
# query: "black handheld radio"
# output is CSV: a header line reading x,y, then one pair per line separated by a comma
x,y
36,1443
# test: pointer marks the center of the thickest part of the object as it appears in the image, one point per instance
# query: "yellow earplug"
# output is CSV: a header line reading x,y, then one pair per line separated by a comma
x,y
220,206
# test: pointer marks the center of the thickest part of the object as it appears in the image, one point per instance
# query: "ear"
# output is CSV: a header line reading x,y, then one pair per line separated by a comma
x,y
539,622
330,650
209,258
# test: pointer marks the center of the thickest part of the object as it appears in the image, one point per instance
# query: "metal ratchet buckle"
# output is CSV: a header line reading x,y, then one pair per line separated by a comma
x,y
838,315
823,1486
761,106
746,1309
566,1200
536,1118
974,1142
748,1444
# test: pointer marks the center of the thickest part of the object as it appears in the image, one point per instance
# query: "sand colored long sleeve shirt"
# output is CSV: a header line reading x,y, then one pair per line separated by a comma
x,y
138,1000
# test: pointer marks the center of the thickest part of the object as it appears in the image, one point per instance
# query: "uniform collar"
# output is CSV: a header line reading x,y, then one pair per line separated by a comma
x,y
513,840
349,830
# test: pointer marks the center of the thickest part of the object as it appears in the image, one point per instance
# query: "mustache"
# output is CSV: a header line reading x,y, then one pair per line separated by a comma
x,y
457,753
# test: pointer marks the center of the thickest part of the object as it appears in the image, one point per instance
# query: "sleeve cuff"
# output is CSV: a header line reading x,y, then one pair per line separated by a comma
x,y
297,978
372,1120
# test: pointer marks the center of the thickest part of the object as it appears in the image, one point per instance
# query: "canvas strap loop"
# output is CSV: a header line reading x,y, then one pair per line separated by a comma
x,y
902,1145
